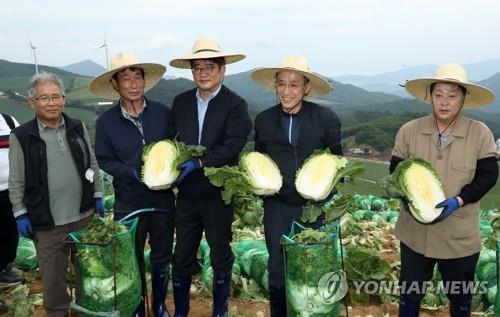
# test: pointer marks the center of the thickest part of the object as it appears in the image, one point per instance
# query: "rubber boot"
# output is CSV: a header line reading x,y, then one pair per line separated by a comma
x,y
181,284
463,309
160,283
408,307
220,293
277,301
140,311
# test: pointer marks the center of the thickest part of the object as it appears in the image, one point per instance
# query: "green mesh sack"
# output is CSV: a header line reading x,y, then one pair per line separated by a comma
x,y
306,267
496,308
96,263
26,255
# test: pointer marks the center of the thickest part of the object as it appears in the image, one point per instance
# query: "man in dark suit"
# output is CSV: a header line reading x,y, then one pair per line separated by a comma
x,y
217,118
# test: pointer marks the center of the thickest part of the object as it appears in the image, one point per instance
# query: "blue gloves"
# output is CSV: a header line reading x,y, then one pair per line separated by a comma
x,y
449,206
24,226
188,167
99,206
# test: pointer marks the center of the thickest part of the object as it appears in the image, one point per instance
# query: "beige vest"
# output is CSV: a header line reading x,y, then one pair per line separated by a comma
x,y
458,235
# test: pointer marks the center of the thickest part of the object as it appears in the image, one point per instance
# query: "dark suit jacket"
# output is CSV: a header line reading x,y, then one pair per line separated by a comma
x,y
225,131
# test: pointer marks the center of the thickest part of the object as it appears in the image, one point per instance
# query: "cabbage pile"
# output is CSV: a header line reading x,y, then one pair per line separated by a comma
x,y
162,160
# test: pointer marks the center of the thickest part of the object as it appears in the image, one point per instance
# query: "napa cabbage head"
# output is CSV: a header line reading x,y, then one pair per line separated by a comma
x,y
422,188
159,170
261,173
162,160
321,172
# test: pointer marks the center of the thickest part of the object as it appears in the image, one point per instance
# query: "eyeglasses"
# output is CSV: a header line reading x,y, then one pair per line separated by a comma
x,y
293,86
207,69
45,99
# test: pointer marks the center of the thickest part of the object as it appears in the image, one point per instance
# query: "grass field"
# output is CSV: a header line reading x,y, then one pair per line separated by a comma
x,y
376,170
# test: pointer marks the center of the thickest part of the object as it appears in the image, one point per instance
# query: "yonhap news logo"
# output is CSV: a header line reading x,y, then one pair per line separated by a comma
x,y
332,287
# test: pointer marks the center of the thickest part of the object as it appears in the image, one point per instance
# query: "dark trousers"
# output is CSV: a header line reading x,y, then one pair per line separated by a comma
x,y
8,231
278,219
191,219
160,226
417,269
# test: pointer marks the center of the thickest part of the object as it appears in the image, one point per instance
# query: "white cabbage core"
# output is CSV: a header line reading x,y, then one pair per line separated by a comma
x,y
424,191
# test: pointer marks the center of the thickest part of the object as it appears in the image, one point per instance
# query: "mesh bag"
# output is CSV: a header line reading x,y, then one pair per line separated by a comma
x,y
104,266
26,255
306,266
497,300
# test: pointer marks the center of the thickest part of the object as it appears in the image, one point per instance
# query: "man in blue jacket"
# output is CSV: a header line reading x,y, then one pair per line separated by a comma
x,y
121,133
217,118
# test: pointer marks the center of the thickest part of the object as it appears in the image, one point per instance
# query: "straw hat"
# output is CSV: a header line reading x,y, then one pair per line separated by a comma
x,y
101,85
266,76
476,96
205,48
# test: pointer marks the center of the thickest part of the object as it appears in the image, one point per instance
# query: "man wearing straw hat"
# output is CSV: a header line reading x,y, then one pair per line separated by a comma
x,y
217,118
289,132
463,152
121,134
53,185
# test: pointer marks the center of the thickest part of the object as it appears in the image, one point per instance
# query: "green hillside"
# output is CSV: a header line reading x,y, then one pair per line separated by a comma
x,y
10,69
342,98
23,113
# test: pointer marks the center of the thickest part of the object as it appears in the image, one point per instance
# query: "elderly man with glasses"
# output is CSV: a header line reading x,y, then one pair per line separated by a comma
x,y
217,118
53,184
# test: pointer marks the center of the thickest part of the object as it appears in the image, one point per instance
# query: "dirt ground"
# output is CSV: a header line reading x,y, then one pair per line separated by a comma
x,y
201,306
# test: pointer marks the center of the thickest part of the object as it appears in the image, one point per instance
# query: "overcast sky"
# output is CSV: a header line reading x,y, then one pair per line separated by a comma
x,y
339,37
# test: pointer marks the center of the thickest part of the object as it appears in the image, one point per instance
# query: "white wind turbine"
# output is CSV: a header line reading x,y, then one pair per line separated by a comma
x,y
33,49
105,46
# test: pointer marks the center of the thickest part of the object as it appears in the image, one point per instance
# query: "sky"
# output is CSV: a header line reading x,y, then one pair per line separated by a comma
x,y
338,37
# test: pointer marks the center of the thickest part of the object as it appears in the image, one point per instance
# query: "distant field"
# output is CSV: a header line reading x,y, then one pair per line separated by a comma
x,y
375,171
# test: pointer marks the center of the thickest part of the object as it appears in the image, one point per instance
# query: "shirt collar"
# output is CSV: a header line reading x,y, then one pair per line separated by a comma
x,y
128,115
42,126
459,128
212,96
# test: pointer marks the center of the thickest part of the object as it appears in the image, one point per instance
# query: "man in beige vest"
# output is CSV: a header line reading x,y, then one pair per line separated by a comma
x,y
463,153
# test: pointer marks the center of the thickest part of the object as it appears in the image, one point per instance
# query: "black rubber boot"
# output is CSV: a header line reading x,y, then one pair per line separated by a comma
x,y
181,284
160,283
277,301
220,293
463,309
140,311
408,307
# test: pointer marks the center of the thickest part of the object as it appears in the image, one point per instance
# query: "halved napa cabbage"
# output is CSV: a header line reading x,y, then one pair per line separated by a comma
x,y
162,162
160,170
420,182
262,173
320,173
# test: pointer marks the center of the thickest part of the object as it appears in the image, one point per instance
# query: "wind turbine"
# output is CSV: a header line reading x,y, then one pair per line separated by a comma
x,y
33,49
105,46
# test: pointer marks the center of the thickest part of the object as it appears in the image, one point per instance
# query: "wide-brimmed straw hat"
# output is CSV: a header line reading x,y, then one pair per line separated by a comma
x,y
475,97
205,48
266,76
101,85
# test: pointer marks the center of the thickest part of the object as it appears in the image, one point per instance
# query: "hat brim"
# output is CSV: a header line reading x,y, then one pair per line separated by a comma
x,y
185,62
101,85
266,77
476,97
